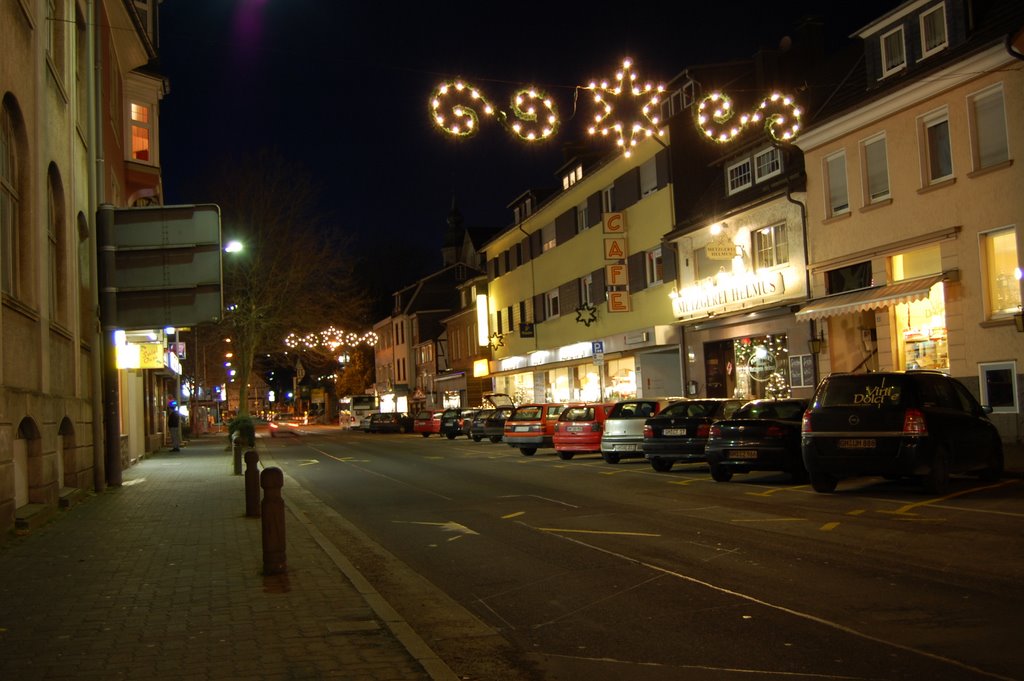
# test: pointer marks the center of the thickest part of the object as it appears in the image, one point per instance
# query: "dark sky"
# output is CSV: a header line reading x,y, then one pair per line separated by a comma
x,y
342,87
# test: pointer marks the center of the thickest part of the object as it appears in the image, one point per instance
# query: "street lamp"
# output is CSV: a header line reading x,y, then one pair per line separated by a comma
x,y
233,246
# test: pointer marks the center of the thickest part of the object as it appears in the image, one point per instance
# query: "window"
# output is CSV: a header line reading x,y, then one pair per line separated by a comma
x,y
767,163
999,387
497,320
849,278
988,128
738,176
551,304
654,266
582,218
933,31
56,249
548,237
608,200
648,177
511,320
835,173
771,246
1001,271
876,170
55,36
10,270
586,290
894,56
938,160
142,140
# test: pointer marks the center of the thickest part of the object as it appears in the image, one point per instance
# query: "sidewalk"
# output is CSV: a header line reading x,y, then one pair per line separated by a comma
x,y
162,579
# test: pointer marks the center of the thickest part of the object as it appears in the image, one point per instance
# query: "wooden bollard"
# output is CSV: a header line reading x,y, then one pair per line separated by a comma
x,y
275,562
252,484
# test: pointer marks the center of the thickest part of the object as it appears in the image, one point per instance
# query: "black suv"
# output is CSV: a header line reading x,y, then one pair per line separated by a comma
x,y
896,424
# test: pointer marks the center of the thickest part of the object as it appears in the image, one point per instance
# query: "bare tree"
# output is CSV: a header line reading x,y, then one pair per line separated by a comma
x,y
294,274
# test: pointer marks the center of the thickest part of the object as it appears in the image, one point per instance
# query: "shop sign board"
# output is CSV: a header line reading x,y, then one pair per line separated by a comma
x,y
618,301
720,248
613,223
728,293
615,248
616,275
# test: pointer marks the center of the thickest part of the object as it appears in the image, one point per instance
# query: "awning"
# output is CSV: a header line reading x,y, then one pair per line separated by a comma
x,y
869,298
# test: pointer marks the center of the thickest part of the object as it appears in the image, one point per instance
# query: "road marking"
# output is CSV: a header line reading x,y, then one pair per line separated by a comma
x,y
449,526
433,457
859,511
905,510
686,482
513,515
828,527
309,462
624,534
777,489
535,496
764,520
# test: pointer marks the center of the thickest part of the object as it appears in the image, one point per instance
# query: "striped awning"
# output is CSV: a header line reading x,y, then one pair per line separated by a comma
x,y
869,298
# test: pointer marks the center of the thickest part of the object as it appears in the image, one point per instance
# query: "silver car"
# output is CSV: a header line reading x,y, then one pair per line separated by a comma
x,y
623,435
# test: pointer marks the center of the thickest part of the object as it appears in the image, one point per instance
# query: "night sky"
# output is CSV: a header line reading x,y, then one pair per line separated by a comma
x,y
342,88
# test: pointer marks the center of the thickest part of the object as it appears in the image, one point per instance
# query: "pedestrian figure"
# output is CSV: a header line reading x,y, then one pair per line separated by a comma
x,y
174,425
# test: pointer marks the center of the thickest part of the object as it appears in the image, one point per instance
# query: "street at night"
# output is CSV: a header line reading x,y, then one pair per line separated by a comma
x,y
533,567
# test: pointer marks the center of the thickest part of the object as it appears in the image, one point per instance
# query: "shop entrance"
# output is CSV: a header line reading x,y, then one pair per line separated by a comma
x,y
751,367
719,370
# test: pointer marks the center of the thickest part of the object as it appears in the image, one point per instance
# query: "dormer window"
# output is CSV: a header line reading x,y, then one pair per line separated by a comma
x,y
894,54
933,31
767,163
573,177
738,176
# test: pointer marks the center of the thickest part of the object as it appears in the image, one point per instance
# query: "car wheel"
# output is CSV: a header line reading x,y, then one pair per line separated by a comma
x,y
450,436
661,465
527,451
994,471
495,438
719,474
477,438
823,482
937,479
566,456
610,457
425,434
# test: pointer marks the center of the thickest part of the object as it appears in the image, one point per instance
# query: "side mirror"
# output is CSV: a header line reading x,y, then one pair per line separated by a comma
x,y
986,409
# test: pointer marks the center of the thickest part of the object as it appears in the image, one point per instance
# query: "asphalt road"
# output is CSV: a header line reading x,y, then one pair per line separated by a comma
x,y
579,569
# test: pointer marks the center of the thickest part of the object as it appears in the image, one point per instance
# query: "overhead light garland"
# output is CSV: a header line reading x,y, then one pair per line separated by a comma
x,y
609,119
330,338
780,113
456,106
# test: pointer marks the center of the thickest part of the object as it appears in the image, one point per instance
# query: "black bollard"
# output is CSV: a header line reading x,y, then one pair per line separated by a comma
x,y
252,484
275,562
236,452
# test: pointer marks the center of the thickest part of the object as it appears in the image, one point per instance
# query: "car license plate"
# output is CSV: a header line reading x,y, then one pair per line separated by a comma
x,y
574,429
857,443
742,453
625,448
522,429
673,432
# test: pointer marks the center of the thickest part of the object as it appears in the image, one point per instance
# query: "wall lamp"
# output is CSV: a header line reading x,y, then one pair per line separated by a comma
x,y
814,343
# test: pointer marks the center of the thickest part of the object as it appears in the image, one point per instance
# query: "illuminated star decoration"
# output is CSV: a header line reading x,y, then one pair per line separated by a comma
x,y
626,88
777,110
497,340
330,338
586,314
533,114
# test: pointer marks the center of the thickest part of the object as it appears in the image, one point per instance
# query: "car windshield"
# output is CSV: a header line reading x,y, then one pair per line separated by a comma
x,y
633,410
861,390
577,414
691,409
786,411
528,413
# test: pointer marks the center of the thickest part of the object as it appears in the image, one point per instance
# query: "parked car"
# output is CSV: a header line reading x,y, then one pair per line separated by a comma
x,y
494,426
762,435
426,422
623,435
456,422
390,422
680,431
476,428
532,426
894,424
579,429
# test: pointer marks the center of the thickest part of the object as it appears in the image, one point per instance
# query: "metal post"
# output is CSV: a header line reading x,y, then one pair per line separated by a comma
x,y
275,562
252,484
236,451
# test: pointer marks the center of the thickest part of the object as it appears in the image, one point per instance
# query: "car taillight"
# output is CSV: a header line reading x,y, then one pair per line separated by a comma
x,y
648,431
703,430
714,431
913,423
774,431
536,427
805,422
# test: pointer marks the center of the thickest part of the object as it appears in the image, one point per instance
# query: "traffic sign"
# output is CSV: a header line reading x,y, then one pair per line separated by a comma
x,y
597,347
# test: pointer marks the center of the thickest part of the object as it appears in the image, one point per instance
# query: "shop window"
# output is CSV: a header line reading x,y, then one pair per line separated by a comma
x,y
1001,271
876,170
762,367
937,152
654,266
988,128
771,246
999,387
922,327
933,31
894,55
849,278
835,174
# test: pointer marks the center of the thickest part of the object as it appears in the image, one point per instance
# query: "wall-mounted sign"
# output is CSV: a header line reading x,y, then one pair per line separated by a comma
x,y
613,223
526,330
720,248
616,275
726,292
618,301
615,248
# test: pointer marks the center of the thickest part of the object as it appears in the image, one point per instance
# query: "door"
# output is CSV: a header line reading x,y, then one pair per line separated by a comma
x,y
719,368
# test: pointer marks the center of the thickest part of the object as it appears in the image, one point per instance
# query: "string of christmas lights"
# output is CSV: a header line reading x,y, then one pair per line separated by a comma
x,y
330,338
647,97
533,113
776,110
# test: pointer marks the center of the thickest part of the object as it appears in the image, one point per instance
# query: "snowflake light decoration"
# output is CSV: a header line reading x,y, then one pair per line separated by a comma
x,y
623,119
586,314
330,338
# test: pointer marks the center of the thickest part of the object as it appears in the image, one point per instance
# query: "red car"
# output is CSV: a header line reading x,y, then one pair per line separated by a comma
x,y
579,429
427,421
532,426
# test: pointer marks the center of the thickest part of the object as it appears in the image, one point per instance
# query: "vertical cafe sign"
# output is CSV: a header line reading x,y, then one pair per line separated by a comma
x,y
615,250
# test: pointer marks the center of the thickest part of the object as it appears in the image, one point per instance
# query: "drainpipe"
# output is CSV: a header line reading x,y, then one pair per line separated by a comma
x,y
807,272
94,172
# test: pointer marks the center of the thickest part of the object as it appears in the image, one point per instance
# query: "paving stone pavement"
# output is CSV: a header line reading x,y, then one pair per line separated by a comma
x,y
162,578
